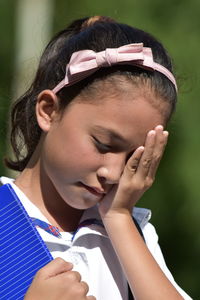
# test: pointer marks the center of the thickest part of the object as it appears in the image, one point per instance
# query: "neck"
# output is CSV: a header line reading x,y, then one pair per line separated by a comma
x,y
36,185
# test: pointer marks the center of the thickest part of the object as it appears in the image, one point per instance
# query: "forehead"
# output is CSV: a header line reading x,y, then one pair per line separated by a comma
x,y
127,86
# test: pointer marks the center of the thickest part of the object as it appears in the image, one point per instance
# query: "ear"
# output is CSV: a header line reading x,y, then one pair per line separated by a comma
x,y
47,108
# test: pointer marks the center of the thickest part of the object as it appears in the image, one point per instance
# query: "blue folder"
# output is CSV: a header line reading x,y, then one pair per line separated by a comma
x,y
22,251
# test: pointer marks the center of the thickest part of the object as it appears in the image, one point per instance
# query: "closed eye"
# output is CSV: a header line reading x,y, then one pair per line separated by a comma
x,y
102,147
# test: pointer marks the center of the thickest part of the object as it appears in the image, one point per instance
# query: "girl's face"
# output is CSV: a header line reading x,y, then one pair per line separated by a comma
x,y
85,151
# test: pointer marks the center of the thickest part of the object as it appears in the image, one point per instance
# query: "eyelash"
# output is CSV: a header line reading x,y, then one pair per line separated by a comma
x,y
101,146
104,148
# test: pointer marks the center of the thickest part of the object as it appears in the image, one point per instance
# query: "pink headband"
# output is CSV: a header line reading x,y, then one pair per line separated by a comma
x,y
85,62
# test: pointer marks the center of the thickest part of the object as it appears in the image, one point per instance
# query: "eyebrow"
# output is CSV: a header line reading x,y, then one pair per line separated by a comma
x,y
112,133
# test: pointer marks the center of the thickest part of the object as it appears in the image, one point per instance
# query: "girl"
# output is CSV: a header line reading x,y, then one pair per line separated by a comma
x,y
91,129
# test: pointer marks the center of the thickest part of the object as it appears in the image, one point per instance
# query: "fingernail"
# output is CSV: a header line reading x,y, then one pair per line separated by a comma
x,y
141,148
166,133
151,132
70,265
159,127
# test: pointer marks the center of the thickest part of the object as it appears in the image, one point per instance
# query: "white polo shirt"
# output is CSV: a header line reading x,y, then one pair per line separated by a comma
x,y
91,252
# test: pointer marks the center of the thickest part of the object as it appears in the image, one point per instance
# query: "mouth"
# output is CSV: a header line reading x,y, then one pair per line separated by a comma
x,y
94,190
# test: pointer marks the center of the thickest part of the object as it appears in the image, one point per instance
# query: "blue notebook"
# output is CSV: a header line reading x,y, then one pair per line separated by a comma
x,y
22,251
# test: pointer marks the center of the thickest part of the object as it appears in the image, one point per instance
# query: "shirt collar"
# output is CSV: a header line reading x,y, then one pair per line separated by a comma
x,y
141,215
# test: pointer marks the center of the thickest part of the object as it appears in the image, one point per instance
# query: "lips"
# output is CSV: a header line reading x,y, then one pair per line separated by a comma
x,y
94,190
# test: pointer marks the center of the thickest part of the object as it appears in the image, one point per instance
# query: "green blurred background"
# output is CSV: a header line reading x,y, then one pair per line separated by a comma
x,y
175,196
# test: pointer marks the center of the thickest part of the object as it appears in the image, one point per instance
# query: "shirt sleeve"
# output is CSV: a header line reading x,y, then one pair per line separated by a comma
x,y
151,239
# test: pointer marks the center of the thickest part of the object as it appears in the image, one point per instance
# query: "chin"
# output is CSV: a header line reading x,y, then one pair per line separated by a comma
x,y
80,200
84,205
81,203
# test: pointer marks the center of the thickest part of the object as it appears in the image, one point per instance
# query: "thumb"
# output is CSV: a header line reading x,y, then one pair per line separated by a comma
x,y
55,267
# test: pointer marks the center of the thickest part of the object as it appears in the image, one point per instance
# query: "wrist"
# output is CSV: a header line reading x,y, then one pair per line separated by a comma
x,y
116,216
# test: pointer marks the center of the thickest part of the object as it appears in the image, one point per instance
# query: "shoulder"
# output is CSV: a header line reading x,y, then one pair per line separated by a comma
x,y
27,204
5,180
143,216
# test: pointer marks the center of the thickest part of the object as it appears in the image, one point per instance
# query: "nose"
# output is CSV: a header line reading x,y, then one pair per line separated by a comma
x,y
112,168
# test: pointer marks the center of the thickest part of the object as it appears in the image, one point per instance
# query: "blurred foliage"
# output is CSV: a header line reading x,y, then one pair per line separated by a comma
x,y
7,9
174,198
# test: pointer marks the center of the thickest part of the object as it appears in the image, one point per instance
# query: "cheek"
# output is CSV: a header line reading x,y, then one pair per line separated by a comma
x,y
71,154
83,156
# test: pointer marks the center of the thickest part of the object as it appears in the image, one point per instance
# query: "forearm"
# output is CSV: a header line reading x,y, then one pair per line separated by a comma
x,y
146,279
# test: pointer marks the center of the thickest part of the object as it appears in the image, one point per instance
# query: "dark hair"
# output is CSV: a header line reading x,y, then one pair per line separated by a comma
x,y
96,33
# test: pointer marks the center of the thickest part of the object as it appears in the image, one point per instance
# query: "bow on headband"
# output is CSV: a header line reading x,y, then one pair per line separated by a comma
x,y
85,62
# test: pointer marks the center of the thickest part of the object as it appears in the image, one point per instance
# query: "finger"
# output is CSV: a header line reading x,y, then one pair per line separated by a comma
x,y
134,160
55,267
161,141
84,287
72,276
146,159
70,280
91,298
